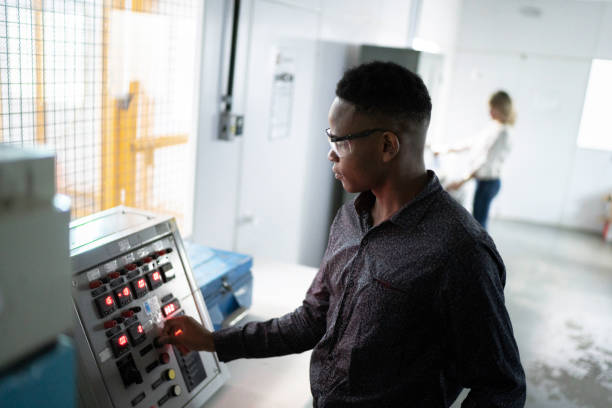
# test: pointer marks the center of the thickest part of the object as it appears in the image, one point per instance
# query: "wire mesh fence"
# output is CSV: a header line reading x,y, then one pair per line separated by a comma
x,y
109,86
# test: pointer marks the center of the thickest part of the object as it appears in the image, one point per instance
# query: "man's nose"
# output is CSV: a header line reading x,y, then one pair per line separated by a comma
x,y
332,156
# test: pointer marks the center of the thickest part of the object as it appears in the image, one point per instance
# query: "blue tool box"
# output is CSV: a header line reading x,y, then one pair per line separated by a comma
x,y
225,280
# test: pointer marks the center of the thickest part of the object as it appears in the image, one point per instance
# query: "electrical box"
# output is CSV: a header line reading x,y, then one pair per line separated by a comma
x,y
130,274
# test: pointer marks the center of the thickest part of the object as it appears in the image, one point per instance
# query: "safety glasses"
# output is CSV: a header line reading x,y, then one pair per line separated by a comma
x,y
341,145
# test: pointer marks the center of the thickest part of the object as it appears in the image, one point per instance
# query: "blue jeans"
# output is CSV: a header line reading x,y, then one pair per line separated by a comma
x,y
486,190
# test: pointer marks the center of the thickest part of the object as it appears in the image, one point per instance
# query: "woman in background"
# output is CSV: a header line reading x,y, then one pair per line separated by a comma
x,y
491,150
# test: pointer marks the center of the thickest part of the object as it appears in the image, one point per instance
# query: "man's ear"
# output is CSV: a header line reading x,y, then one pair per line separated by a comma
x,y
391,146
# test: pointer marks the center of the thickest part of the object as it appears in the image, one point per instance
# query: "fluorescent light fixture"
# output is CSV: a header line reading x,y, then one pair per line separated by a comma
x,y
421,44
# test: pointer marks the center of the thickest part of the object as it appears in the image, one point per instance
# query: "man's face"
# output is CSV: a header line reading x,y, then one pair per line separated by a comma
x,y
360,169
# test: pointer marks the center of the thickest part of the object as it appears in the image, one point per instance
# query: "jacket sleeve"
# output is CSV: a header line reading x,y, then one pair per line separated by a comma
x,y
481,342
294,332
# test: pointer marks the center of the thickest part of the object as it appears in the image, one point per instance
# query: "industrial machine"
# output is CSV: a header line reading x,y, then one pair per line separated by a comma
x,y
36,358
130,274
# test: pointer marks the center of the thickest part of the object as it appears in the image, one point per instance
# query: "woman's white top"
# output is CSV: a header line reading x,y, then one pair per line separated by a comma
x,y
491,150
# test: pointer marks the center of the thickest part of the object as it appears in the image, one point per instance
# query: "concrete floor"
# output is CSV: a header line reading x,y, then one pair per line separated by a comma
x,y
559,296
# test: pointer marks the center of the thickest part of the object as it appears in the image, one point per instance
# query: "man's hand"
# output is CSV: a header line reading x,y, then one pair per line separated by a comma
x,y
187,334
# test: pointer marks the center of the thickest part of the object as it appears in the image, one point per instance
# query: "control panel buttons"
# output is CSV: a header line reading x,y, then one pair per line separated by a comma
x,y
175,390
139,286
169,374
167,271
128,371
114,275
147,259
95,284
137,334
132,274
155,279
164,358
120,344
157,343
127,313
123,295
106,304
170,308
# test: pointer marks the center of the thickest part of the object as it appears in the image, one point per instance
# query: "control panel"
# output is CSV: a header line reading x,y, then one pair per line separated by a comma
x,y
130,274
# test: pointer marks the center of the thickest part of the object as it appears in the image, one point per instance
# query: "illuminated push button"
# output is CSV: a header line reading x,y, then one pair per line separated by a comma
x,y
106,304
120,344
139,286
170,374
155,279
114,275
131,267
147,259
161,253
170,308
123,295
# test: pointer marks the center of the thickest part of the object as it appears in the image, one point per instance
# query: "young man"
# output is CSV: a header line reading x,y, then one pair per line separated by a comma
x,y
408,307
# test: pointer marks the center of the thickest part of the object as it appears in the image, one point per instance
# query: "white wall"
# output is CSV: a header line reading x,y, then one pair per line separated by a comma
x,y
230,174
544,63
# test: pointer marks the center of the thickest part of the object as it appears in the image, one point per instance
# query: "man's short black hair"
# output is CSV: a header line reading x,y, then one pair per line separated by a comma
x,y
386,88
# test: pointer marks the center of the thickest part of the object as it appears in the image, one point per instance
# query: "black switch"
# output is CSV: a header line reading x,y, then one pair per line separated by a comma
x,y
129,373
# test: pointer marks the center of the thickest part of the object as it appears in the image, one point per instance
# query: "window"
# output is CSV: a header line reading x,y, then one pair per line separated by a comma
x,y
596,126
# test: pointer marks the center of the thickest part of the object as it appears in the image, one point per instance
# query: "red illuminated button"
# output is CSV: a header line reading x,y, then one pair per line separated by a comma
x,y
120,344
95,284
178,332
106,304
139,286
123,295
171,308
147,259
110,324
155,279
131,267
114,275
162,252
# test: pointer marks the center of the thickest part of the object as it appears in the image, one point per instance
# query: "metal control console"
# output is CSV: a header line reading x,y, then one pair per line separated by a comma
x,y
130,273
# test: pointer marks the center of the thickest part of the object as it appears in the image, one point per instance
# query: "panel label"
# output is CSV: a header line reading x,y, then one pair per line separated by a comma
x,y
94,274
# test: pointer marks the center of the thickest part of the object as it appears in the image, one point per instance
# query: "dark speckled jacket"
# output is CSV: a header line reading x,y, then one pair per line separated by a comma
x,y
402,314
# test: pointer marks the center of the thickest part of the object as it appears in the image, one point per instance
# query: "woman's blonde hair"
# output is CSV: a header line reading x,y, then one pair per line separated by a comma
x,y
502,102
